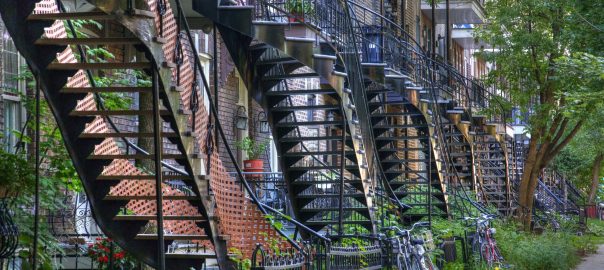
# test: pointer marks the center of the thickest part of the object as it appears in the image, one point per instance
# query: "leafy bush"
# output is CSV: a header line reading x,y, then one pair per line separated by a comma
x,y
549,251
16,174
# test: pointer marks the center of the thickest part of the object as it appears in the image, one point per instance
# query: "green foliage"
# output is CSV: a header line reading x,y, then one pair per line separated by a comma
x,y
388,215
16,174
237,258
104,248
252,148
299,7
576,161
539,56
550,250
80,26
443,228
596,227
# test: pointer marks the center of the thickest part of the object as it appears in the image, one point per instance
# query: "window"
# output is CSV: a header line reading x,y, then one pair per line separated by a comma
x,y
205,64
311,101
10,69
10,88
12,122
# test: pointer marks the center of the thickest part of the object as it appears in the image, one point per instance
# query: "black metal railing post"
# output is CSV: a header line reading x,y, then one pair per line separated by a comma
x,y
37,184
158,145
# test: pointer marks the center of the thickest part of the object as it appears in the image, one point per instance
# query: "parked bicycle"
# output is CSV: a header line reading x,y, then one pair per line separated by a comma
x,y
410,251
483,242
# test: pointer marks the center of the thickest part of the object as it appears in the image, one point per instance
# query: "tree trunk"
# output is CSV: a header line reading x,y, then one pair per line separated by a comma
x,y
595,178
527,186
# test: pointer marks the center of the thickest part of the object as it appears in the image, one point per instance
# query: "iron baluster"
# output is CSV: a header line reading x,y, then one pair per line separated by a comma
x,y
158,145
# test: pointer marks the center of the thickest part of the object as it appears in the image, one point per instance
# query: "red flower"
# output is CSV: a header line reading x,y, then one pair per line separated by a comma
x,y
103,259
120,255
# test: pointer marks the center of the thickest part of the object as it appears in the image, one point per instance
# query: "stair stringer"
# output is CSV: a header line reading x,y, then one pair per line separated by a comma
x,y
71,127
499,139
414,97
243,61
273,39
146,30
88,169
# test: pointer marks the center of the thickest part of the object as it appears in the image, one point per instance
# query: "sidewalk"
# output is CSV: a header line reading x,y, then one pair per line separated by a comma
x,y
593,261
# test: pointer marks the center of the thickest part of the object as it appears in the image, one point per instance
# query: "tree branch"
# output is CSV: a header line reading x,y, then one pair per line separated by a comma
x,y
564,142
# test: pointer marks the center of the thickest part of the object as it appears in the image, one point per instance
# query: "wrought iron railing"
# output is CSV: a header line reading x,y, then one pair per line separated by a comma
x,y
404,54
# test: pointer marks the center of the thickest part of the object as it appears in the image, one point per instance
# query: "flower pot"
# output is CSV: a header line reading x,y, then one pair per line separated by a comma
x,y
296,17
252,166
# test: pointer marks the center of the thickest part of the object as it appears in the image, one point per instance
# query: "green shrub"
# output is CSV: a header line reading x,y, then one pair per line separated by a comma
x,y
549,251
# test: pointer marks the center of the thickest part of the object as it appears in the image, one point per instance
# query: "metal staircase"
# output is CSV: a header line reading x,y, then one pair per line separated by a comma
x,y
118,175
491,168
297,75
424,102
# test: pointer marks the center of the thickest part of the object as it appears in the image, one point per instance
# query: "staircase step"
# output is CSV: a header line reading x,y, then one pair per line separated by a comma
x,y
382,103
149,197
402,138
96,66
334,208
290,76
276,61
88,41
405,160
117,113
134,156
308,123
327,91
173,237
316,153
330,222
141,177
92,15
153,217
403,149
126,135
321,167
389,126
116,89
395,114
318,138
190,256
304,108
312,196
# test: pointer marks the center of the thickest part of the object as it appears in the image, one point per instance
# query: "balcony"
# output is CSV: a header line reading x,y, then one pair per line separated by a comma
x,y
463,34
461,11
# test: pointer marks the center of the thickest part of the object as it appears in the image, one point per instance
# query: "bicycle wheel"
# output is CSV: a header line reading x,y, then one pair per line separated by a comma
x,y
427,263
421,263
486,254
400,262
498,257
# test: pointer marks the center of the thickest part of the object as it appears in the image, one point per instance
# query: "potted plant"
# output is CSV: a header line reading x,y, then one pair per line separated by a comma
x,y
253,150
298,9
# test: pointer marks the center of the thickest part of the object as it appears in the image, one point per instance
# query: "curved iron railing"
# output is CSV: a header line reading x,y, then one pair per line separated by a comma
x,y
9,232
403,53
265,209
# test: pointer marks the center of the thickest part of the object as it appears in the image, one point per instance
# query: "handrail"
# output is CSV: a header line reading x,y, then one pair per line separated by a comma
x,y
308,22
213,110
426,62
99,100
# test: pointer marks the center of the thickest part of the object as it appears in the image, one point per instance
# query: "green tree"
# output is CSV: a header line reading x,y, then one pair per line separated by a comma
x,y
581,161
550,62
